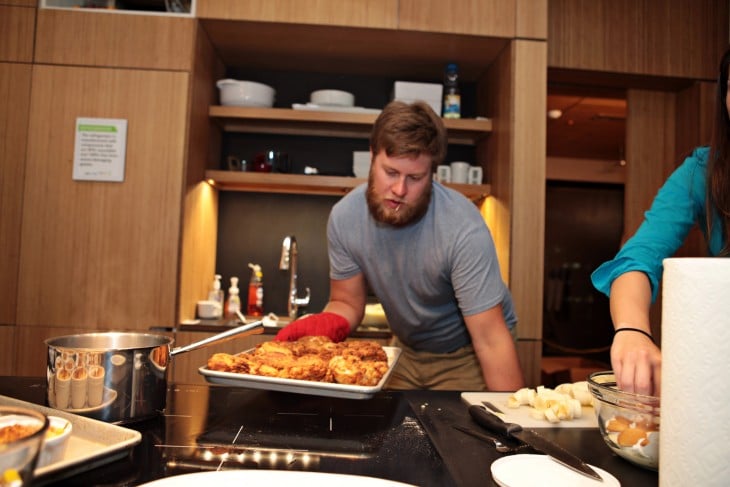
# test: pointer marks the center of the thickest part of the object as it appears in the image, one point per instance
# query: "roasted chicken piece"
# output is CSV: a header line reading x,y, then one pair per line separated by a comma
x,y
313,358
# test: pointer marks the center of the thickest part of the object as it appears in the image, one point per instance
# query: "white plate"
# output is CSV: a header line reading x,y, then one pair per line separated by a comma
x,y
237,478
333,108
530,470
302,386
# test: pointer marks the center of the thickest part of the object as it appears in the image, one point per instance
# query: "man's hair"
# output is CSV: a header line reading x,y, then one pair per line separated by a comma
x,y
409,130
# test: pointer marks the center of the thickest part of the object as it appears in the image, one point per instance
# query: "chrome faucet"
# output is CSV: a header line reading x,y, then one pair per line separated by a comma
x,y
289,262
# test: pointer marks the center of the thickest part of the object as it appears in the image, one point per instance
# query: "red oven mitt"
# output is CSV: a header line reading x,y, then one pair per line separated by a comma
x,y
326,324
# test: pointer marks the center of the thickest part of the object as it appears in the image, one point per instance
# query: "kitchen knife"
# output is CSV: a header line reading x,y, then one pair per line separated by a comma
x,y
494,423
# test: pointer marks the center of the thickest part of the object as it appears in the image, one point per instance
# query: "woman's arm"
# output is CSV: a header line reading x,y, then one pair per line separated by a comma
x,y
635,359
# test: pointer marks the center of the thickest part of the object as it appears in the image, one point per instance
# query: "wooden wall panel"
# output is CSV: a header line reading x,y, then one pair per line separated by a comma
x,y
15,96
515,158
31,340
7,350
85,38
495,18
200,214
16,33
650,151
682,38
695,119
354,13
532,18
103,255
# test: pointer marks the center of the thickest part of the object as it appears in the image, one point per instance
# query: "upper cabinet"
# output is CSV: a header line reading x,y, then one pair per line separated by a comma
x,y
488,18
89,38
381,14
17,23
681,39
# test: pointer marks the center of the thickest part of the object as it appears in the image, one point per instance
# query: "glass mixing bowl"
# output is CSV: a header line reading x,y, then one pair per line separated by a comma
x,y
629,423
21,436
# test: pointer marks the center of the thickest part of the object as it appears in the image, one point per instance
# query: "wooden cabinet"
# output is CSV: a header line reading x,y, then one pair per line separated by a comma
x,y
103,255
496,18
15,92
16,32
17,20
681,39
73,37
353,13
509,75
98,255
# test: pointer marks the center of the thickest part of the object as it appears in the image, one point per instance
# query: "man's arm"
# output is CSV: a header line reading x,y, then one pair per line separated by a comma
x,y
495,349
347,299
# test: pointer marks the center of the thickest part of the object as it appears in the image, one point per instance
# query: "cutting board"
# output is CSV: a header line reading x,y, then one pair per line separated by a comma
x,y
523,414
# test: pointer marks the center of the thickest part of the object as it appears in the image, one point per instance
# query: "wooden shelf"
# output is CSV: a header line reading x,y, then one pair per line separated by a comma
x,y
314,185
328,124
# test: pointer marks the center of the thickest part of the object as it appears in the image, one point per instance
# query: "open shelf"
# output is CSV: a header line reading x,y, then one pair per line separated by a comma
x,y
314,185
328,124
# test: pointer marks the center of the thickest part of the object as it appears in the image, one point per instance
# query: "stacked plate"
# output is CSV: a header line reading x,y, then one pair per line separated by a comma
x,y
361,163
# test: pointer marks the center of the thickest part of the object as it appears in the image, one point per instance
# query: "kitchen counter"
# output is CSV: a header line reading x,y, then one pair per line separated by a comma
x,y
404,436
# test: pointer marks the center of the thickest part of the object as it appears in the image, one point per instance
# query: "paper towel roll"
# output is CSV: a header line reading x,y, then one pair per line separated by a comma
x,y
694,445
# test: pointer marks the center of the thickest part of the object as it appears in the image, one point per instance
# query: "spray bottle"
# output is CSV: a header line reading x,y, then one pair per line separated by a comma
x,y
234,300
256,291
216,295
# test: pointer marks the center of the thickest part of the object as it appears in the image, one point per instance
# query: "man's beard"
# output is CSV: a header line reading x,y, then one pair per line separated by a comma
x,y
405,214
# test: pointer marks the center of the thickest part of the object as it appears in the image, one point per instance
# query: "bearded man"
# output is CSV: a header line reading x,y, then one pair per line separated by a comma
x,y
426,253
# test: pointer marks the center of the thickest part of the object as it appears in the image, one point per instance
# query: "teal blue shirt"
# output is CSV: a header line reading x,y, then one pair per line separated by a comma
x,y
679,204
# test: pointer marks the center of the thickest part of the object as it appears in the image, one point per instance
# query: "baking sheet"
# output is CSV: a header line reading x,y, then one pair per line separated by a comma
x,y
302,386
92,442
522,415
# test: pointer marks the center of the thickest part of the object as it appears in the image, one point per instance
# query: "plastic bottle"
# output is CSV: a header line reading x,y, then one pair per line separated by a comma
x,y
256,291
234,300
452,95
216,295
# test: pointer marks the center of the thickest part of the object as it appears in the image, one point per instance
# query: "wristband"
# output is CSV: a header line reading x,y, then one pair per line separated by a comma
x,y
647,335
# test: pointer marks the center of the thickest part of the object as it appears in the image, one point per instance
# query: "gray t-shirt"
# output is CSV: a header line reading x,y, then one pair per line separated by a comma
x,y
428,275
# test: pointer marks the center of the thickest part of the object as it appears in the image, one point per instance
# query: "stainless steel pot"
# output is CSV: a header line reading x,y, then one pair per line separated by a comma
x,y
117,377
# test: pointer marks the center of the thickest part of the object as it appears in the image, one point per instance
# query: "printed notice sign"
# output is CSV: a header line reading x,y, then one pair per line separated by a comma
x,y
100,149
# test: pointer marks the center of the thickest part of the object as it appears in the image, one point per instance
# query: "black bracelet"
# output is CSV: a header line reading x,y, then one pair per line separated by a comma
x,y
637,330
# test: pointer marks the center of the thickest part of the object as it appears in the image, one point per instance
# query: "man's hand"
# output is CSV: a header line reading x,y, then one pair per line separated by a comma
x,y
326,324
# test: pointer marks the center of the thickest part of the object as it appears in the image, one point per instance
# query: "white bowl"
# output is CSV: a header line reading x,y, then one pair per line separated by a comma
x,y
56,441
332,97
245,93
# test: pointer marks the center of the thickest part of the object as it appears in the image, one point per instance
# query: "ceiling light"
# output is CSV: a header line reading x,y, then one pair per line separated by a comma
x,y
554,114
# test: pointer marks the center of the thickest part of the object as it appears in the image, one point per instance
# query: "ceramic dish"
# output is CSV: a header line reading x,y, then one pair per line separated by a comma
x,y
56,441
332,97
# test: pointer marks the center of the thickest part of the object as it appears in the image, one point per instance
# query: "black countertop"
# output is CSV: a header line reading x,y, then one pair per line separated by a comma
x,y
402,436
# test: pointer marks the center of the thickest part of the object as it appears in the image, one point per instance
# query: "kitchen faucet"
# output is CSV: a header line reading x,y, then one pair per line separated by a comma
x,y
289,262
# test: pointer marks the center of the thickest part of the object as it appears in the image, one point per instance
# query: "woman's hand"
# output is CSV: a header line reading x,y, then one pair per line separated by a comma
x,y
637,363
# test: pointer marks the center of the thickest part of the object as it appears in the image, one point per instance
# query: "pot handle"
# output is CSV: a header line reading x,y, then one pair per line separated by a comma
x,y
253,328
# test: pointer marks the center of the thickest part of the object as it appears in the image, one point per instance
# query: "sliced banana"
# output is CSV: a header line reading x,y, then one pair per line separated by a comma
x,y
563,403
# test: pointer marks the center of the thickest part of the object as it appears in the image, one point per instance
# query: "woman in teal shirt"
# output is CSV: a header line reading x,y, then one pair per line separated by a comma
x,y
698,192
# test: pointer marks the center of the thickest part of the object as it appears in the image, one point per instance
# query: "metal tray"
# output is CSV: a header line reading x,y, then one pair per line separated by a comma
x,y
302,386
92,442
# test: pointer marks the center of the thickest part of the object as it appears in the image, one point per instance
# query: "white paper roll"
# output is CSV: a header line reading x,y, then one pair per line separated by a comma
x,y
694,445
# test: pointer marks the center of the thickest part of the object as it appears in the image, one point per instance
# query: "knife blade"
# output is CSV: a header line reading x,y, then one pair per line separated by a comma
x,y
494,423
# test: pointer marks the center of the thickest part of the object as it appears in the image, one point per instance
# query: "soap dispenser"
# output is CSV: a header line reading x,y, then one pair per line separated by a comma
x,y
234,300
216,295
256,291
